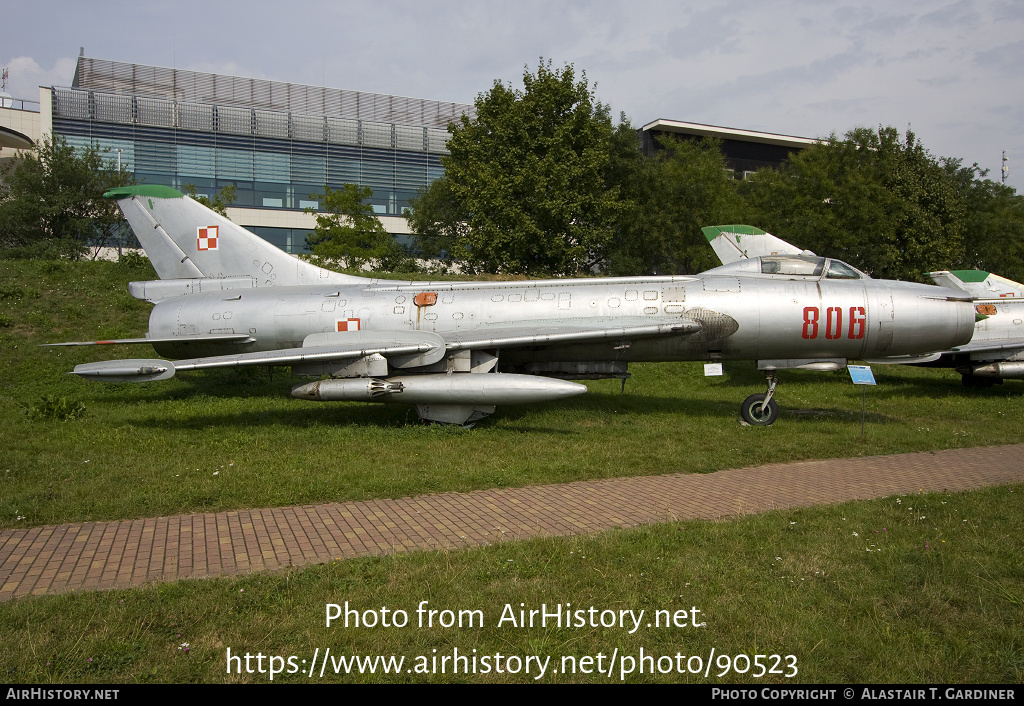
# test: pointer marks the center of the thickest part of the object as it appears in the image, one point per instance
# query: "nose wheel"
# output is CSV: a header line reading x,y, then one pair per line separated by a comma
x,y
761,410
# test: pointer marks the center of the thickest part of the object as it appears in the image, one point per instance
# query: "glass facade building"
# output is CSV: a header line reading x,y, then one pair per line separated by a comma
x,y
277,143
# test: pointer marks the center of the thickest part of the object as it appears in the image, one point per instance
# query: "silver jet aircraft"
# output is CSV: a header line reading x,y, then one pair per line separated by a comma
x,y
457,349
995,351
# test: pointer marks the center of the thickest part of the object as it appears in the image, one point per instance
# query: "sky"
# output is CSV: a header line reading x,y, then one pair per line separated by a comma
x,y
952,71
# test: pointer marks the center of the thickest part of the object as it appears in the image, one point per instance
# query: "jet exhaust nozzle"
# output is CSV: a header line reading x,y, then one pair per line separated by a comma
x,y
357,389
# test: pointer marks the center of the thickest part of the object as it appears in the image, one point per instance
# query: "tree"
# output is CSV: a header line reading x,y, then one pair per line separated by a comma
x,y
348,234
523,189
437,221
52,201
994,238
667,199
994,222
883,203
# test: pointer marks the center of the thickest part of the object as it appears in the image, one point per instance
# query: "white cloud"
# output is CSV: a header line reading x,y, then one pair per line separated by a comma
x,y
26,75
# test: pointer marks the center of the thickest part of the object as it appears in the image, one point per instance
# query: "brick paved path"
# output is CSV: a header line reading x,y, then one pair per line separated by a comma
x,y
100,555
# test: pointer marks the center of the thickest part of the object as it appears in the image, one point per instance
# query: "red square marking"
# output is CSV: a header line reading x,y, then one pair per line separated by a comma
x,y
207,238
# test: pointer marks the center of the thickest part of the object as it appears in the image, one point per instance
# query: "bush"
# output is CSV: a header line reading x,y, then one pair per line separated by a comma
x,y
59,408
133,260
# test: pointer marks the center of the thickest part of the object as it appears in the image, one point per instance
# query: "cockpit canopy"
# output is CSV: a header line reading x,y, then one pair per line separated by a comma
x,y
809,266
799,265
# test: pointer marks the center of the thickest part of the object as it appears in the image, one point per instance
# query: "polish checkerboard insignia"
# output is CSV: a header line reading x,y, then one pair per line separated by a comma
x,y
207,238
348,324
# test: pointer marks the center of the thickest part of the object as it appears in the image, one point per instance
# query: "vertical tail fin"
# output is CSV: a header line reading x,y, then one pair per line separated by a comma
x,y
736,242
979,284
185,239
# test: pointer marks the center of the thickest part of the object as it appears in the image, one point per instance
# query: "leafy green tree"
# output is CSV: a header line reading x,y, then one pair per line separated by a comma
x,y
994,222
524,189
52,200
882,202
437,221
348,234
220,201
994,236
666,200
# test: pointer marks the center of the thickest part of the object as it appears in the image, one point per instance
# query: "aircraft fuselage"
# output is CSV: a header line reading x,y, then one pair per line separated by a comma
x,y
741,317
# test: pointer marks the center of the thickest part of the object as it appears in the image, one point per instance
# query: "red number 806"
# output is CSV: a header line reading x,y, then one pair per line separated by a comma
x,y
834,322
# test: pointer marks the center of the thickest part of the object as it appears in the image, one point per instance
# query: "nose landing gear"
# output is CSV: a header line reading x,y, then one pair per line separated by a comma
x,y
761,410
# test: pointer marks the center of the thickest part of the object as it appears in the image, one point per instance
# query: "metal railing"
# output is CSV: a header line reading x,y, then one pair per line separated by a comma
x,y
196,87
19,104
73,103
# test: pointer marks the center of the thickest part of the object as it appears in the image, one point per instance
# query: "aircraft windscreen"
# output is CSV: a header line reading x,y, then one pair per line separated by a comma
x,y
798,265
840,270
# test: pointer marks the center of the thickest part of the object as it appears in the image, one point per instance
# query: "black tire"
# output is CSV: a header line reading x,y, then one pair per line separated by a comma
x,y
755,413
